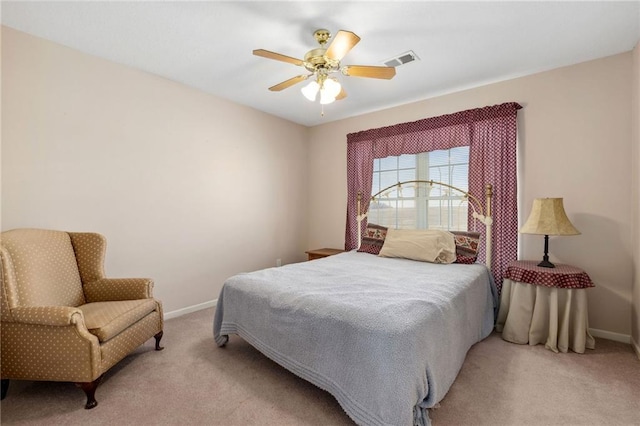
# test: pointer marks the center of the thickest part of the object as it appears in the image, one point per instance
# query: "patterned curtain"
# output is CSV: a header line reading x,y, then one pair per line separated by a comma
x,y
490,133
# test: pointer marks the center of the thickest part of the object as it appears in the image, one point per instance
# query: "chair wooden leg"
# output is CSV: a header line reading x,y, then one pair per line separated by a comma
x,y
89,389
158,337
5,388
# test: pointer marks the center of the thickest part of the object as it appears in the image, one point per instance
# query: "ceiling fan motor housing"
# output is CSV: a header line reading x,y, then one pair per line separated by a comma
x,y
315,59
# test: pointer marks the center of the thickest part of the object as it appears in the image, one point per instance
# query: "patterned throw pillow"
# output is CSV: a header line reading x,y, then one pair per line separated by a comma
x,y
373,239
467,244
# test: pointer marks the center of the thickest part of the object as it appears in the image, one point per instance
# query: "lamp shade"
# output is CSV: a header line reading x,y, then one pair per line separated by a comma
x,y
332,86
329,90
548,218
310,91
325,97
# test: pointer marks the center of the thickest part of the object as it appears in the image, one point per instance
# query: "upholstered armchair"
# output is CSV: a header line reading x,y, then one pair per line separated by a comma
x,y
62,320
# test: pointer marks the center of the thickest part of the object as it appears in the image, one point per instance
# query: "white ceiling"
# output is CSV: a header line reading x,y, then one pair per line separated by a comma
x,y
208,45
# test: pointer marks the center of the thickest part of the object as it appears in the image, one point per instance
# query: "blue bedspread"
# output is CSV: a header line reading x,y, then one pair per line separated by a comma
x,y
386,337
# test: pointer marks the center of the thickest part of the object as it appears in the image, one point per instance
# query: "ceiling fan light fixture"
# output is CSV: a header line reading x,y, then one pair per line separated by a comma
x,y
310,91
329,90
324,61
325,98
332,87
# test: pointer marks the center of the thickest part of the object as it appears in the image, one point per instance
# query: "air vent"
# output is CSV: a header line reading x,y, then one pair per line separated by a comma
x,y
401,59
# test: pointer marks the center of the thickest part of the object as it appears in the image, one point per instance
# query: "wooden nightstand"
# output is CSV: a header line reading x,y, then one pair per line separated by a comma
x,y
323,252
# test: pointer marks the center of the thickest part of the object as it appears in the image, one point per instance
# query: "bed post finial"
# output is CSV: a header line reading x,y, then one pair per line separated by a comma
x,y
359,219
488,190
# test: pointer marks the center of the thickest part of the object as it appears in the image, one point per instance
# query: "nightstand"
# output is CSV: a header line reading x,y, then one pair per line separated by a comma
x,y
323,252
545,305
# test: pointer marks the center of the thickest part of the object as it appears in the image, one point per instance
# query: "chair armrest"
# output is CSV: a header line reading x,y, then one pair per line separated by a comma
x,y
47,315
112,289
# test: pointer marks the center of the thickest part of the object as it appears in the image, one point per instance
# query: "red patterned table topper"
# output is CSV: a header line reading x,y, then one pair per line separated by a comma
x,y
562,276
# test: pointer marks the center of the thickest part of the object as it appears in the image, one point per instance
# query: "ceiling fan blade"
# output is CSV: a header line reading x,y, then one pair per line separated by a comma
x,y
342,43
277,56
341,95
369,71
288,83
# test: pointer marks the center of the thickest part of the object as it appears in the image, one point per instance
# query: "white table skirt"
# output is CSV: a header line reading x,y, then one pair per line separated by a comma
x,y
536,314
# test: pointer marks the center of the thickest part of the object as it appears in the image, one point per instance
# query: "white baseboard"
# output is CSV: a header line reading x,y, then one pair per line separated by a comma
x,y
636,346
618,337
189,309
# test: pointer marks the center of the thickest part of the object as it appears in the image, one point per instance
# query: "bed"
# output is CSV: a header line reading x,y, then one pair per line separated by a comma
x,y
385,336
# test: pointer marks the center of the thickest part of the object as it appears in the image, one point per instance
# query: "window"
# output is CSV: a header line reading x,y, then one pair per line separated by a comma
x,y
438,207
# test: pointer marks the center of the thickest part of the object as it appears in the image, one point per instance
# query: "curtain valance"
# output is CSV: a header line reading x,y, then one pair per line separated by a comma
x,y
433,123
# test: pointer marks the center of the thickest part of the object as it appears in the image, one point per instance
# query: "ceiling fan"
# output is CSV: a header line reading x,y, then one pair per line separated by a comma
x,y
323,61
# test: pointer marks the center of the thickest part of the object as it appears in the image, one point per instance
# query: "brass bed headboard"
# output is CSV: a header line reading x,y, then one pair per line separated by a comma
x,y
476,206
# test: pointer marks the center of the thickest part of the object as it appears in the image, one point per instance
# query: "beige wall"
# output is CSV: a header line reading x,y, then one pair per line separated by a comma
x,y
635,110
575,143
188,188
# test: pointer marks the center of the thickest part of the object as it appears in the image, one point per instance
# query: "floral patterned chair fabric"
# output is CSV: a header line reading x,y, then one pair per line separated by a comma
x,y
62,320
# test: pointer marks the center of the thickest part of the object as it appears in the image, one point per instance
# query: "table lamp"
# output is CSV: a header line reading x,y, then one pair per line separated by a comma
x,y
548,218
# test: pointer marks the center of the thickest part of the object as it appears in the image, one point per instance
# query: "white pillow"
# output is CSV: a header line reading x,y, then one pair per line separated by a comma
x,y
425,245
